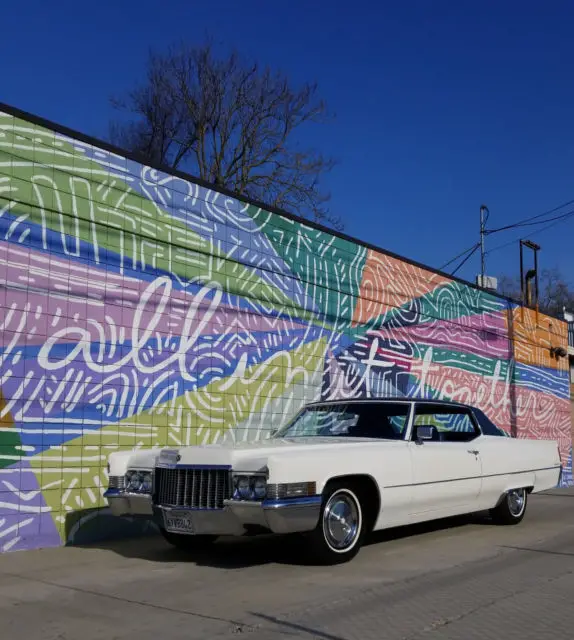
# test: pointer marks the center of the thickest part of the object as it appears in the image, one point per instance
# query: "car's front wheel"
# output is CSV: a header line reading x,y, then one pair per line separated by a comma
x,y
188,543
340,530
512,508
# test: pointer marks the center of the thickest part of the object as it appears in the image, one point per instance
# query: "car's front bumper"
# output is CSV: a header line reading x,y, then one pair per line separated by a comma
x,y
123,503
292,515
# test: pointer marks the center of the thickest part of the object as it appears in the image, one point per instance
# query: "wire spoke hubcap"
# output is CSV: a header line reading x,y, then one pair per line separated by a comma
x,y
516,499
341,521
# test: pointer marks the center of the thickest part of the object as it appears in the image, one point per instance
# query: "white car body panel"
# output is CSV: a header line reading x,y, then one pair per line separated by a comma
x,y
387,462
511,463
446,479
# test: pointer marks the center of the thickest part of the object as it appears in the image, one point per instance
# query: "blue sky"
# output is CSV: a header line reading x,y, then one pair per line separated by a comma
x,y
440,105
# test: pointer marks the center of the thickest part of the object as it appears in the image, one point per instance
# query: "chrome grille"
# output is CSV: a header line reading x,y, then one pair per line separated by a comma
x,y
192,487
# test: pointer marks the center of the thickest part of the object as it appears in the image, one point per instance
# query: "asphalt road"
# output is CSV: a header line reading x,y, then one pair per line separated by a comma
x,y
459,579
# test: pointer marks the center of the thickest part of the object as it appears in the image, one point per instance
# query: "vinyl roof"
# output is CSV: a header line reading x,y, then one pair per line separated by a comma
x,y
390,400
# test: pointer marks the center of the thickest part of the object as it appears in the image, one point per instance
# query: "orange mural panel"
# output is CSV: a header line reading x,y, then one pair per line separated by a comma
x,y
389,283
534,336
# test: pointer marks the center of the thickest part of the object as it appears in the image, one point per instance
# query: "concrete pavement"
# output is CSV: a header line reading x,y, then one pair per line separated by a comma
x,y
457,579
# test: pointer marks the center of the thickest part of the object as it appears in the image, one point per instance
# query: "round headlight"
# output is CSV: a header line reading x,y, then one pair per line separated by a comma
x,y
243,487
146,484
259,488
133,481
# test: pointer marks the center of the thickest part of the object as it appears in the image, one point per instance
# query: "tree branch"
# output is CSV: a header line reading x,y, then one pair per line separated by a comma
x,y
231,123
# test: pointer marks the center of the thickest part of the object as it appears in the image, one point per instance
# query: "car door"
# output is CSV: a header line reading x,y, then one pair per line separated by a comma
x,y
446,469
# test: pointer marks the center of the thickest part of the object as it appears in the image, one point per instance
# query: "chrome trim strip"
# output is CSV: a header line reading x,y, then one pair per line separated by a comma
x,y
202,467
292,502
410,422
122,493
194,510
479,477
237,472
275,504
366,400
232,502
175,507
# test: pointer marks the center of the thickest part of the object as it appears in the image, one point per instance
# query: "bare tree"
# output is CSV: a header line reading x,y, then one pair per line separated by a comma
x,y
555,293
233,124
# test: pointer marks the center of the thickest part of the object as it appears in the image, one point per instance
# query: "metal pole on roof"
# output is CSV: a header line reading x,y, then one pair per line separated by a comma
x,y
483,219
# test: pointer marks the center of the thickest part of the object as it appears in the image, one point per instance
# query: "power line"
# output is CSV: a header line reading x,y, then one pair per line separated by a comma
x,y
552,224
531,224
458,256
528,221
467,257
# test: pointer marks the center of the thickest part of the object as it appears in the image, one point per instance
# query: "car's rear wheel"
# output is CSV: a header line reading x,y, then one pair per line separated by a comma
x,y
341,527
512,508
188,543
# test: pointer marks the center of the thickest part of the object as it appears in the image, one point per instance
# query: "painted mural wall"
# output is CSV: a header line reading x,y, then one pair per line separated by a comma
x,y
138,309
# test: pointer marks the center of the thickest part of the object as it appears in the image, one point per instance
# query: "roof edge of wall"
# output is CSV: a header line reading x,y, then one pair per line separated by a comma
x,y
72,133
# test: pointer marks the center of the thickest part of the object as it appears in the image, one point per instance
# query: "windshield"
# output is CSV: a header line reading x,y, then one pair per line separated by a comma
x,y
350,420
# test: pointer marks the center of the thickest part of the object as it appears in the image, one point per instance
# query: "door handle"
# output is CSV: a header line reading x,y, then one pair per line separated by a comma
x,y
473,451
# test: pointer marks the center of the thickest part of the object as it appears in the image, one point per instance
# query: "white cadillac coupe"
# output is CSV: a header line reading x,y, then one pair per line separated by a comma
x,y
335,472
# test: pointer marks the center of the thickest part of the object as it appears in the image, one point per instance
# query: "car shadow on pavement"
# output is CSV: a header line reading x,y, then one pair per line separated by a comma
x,y
251,551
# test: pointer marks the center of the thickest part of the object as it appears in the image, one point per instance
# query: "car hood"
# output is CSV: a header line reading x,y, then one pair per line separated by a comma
x,y
254,455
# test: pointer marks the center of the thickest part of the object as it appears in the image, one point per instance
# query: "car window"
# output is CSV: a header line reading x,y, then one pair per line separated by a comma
x,y
452,424
351,420
399,423
488,427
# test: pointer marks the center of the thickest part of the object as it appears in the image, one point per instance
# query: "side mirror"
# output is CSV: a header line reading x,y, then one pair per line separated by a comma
x,y
426,433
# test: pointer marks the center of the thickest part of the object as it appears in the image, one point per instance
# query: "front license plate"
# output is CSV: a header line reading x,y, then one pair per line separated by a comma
x,y
178,522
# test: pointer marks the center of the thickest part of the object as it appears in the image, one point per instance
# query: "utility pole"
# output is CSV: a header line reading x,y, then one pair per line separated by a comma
x,y
483,219
531,274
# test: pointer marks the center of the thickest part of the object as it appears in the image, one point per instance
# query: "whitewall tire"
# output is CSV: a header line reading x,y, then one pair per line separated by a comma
x,y
341,526
512,507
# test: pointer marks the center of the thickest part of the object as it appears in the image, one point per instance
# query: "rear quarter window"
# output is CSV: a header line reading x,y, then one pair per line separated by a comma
x,y
488,427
